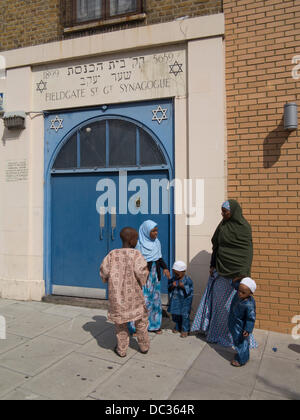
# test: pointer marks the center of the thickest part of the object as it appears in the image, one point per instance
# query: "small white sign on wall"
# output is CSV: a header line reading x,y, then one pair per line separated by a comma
x,y
16,170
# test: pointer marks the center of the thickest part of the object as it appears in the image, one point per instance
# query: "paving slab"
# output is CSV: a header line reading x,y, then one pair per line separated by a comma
x,y
9,380
283,346
73,378
64,310
279,376
23,395
80,330
36,355
16,310
91,313
171,350
12,341
11,311
103,346
200,385
217,360
266,396
36,306
6,302
139,380
34,324
27,322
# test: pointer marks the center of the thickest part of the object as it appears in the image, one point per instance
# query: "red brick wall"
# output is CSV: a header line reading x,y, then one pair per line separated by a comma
x,y
262,37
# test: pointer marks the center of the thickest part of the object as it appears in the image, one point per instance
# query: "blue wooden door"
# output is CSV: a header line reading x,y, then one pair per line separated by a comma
x,y
77,243
139,211
82,236
123,146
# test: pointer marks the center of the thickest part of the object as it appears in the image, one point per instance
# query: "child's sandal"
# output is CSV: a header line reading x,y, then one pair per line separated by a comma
x,y
235,364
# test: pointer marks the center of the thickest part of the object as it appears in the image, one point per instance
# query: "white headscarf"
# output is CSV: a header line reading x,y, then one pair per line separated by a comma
x,y
247,281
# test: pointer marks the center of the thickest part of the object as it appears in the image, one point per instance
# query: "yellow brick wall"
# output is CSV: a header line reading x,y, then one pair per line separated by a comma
x,y
164,10
30,22
262,37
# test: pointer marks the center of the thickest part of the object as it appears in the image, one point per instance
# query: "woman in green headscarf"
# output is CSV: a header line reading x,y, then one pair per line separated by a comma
x,y
231,261
232,243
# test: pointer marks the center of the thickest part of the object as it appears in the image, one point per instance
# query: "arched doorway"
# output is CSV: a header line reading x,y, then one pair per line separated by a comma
x,y
107,173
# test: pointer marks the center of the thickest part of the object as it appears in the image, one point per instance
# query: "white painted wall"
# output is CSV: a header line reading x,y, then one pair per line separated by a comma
x,y
206,152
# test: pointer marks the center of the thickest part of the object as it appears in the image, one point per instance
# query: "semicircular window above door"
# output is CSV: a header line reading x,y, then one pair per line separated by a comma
x,y
109,143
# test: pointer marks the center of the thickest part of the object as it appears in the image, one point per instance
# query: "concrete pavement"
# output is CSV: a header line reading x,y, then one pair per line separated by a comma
x,y
61,352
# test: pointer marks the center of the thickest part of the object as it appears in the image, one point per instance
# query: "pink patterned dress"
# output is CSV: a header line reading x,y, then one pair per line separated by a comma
x,y
126,272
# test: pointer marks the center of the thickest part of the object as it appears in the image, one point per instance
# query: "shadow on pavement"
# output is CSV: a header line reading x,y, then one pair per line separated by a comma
x,y
295,347
106,338
226,353
279,389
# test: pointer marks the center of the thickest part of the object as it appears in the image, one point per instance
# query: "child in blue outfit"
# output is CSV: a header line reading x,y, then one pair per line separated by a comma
x,y
181,291
242,318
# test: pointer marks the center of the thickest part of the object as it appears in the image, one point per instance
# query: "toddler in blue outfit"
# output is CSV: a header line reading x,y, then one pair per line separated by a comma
x,y
242,318
180,298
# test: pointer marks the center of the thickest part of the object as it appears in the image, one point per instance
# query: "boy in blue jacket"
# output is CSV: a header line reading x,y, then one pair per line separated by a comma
x,y
242,318
180,298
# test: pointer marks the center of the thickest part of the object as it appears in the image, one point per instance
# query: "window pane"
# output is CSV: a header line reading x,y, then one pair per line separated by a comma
x,y
122,143
89,10
119,7
93,145
150,153
67,157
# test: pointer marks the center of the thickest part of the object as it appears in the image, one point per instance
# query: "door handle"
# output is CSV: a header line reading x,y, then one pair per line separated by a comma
x,y
102,222
113,215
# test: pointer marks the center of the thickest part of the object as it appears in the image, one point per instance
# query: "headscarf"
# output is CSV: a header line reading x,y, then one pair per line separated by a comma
x,y
232,243
151,250
226,205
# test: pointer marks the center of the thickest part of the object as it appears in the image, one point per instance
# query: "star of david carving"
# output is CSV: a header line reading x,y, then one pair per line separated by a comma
x,y
41,86
56,124
159,114
176,68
